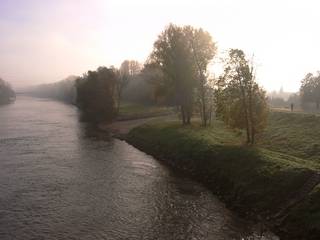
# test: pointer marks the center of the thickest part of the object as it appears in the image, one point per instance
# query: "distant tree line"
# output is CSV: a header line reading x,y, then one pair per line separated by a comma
x,y
307,99
63,90
7,94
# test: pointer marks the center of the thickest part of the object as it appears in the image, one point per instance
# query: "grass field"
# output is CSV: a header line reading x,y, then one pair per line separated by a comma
x,y
295,134
135,111
256,180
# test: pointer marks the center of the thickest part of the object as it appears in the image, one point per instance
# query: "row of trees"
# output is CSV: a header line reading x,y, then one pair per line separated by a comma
x,y
7,94
183,55
63,90
176,74
308,98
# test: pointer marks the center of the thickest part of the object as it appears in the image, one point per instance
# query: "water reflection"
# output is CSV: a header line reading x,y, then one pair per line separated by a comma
x,y
62,179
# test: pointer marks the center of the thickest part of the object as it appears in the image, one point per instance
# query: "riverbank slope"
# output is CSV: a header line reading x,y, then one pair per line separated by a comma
x,y
256,182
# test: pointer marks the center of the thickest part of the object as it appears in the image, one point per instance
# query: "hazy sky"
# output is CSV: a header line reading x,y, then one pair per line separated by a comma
x,y
47,40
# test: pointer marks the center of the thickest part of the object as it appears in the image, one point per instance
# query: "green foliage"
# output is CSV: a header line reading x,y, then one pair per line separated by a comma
x,y
240,101
182,54
96,94
310,89
203,50
304,220
139,90
6,93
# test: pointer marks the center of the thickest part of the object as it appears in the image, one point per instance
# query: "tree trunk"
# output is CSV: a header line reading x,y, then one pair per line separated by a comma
x,y
248,136
253,132
188,115
210,115
183,116
251,121
318,105
189,118
203,99
246,115
118,104
202,85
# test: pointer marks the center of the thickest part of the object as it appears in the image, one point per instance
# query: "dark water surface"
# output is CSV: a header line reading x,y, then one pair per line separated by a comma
x,y
60,179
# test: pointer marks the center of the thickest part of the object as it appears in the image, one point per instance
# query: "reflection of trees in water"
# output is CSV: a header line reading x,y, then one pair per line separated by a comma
x,y
92,132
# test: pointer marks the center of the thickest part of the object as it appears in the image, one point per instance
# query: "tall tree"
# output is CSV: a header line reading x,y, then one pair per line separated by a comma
x,y
310,89
96,93
183,54
203,50
173,55
240,101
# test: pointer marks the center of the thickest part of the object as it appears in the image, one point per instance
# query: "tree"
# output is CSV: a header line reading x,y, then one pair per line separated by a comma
x,y
7,95
240,101
182,54
96,94
142,87
153,76
310,89
203,50
127,71
173,55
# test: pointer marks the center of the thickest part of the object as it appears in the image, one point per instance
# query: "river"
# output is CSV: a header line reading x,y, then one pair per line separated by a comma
x,y
62,179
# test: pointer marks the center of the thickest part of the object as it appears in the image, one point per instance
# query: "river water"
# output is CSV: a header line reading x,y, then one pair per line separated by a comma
x,y
61,179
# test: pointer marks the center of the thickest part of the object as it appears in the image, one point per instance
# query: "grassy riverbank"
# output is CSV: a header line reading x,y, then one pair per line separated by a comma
x,y
254,181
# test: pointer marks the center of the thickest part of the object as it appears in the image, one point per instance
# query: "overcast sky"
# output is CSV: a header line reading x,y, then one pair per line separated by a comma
x,y
44,41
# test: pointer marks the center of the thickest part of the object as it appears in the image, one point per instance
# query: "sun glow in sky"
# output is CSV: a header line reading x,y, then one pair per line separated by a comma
x,y
44,41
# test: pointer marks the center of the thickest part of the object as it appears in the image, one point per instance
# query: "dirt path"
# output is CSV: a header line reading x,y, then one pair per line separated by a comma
x,y
121,128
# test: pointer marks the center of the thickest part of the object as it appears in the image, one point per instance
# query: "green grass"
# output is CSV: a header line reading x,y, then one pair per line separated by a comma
x,y
134,111
253,180
306,217
295,134
217,153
